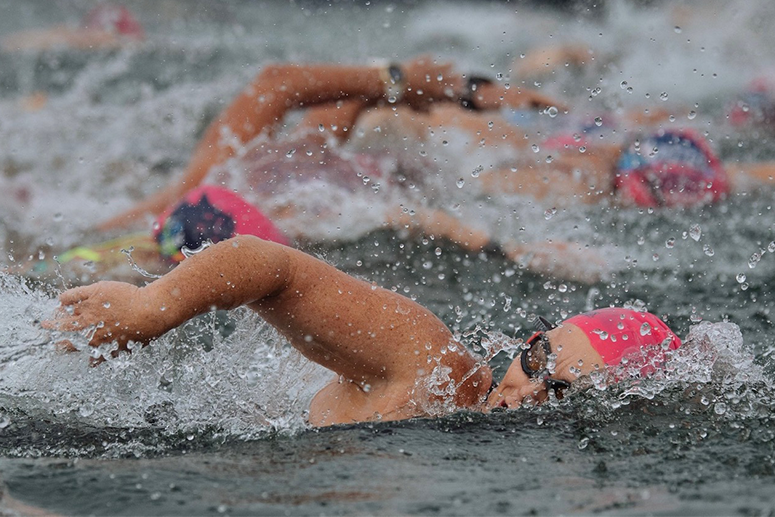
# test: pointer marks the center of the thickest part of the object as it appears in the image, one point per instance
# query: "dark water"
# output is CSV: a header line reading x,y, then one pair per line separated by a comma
x,y
210,420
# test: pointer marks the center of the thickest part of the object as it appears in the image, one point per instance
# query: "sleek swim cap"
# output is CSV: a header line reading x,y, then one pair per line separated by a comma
x,y
114,18
210,213
755,105
618,333
670,168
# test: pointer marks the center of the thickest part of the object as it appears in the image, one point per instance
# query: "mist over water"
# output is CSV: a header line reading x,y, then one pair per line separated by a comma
x,y
218,406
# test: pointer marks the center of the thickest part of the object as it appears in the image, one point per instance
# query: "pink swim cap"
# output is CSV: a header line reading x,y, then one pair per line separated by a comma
x,y
114,18
210,213
671,168
617,333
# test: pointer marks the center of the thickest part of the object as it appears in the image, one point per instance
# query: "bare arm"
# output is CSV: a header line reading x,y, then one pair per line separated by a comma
x,y
349,326
751,175
275,91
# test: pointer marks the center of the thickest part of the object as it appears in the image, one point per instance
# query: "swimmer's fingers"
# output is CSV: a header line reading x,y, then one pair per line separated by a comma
x,y
65,346
77,294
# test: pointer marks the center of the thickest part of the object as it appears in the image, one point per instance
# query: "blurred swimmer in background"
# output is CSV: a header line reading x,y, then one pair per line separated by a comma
x,y
393,359
249,174
105,26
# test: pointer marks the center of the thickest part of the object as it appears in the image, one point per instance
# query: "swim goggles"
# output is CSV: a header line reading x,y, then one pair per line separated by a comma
x,y
535,358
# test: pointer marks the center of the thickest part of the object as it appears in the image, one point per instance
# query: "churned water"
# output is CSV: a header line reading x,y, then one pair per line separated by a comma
x,y
210,419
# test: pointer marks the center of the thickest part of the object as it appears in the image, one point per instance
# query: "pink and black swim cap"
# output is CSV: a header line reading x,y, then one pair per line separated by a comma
x,y
670,168
617,333
214,214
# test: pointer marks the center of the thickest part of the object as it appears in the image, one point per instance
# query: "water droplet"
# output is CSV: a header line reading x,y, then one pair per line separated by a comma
x,y
598,121
583,149
548,214
58,217
740,278
771,247
755,258
86,410
477,171
695,232
670,243
552,111
583,443
623,85
677,29
106,305
708,250
692,114
535,148
4,421
645,329
720,408
460,183
290,153
663,96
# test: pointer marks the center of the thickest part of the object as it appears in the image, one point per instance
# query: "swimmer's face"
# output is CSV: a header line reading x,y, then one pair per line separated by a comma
x,y
575,358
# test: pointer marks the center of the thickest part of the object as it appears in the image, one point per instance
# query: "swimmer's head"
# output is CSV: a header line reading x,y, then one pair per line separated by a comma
x,y
210,214
115,19
755,106
670,168
555,356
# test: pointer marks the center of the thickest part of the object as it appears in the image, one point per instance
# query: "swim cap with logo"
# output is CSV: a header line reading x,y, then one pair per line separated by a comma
x,y
214,214
617,333
670,168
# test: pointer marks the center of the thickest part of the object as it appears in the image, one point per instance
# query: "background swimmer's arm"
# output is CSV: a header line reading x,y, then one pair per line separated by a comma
x,y
750,175
438,223
266,100
561,260
60,37
495,96
547,59
336,119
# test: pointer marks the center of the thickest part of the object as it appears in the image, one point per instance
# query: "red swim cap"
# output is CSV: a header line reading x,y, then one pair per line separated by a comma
x,y
618,333
210,213
671,168
114,18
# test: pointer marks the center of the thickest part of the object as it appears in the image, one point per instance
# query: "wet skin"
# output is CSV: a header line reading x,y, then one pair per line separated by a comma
x,y
384,347
575,357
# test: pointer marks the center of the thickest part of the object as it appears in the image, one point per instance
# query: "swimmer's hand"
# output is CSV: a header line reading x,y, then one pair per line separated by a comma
x,y
113,312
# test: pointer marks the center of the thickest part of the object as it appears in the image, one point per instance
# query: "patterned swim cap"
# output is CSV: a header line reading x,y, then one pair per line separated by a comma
x,y
670,168
214,214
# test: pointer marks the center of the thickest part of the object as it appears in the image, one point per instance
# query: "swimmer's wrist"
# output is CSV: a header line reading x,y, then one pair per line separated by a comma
x,y
394,81
468,96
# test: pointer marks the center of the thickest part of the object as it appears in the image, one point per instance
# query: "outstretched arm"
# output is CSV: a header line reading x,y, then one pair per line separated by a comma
x,y
368,335
751,175
277,90
562,260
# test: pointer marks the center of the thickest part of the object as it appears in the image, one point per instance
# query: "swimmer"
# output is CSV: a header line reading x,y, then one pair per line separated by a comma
x,y
269,166
105,26
393,359
666,168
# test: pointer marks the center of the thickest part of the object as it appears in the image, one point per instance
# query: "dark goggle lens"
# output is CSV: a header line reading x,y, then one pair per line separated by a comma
x,y
535,355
